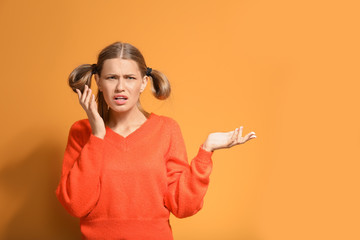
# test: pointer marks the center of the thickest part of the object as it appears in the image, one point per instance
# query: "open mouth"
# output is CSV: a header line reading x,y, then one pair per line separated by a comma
x,y
120,99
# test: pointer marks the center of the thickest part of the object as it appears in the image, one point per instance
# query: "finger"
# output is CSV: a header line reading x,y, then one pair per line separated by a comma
x,y
241,130
234,137
250,135
78,93
84,95
235,134
92,102
87,99
238,134
239,138
80,96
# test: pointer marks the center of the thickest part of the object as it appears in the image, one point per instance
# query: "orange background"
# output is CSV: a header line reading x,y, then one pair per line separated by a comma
x,y
287,70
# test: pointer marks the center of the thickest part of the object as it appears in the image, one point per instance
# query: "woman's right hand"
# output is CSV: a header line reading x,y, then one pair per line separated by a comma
x,y
87,101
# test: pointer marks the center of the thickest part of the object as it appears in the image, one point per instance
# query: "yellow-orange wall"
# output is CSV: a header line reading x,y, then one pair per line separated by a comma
x,y
288,70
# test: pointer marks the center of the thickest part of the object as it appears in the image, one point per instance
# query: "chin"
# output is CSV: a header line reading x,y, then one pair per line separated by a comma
x,y
122,108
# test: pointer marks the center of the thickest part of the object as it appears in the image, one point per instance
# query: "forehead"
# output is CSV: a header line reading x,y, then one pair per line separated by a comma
x,y
120,66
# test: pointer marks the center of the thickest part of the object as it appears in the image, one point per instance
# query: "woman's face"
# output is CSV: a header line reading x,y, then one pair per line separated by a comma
x,y
121,84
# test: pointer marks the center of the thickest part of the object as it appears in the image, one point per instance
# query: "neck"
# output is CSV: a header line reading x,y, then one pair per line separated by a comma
x,y
125,119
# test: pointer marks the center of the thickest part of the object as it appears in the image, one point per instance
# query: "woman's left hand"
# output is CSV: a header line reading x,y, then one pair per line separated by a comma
x,y
220,140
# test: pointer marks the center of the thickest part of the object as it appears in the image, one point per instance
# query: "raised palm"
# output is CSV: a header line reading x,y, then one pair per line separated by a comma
x,y
220,140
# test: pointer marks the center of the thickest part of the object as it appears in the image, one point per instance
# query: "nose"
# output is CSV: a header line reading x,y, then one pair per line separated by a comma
x,y
120,85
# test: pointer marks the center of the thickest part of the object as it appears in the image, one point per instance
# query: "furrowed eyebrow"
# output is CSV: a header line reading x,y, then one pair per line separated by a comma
x,y
114,74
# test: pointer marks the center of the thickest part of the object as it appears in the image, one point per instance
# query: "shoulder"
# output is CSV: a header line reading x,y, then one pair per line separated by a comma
x,y
168,121
170,126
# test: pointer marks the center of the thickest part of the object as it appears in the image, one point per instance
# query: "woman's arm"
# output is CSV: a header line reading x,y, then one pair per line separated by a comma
x,y
186,185
79,187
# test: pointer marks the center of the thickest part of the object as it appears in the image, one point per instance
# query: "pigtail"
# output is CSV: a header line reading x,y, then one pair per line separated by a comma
x,y
80,77
160,85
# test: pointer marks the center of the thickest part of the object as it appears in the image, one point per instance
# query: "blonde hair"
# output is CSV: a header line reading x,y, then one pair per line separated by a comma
x,y
81,75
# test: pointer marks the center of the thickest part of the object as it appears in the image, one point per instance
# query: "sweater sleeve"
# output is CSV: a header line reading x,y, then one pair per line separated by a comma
x,y
186,184
79,187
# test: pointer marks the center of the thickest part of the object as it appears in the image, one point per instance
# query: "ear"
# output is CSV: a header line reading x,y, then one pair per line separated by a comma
x,y
144,82
98,82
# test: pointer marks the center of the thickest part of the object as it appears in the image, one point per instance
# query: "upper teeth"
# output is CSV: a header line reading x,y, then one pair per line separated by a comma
x,y
119,97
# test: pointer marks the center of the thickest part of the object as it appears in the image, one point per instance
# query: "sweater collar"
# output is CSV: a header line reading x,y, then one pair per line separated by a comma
x,y
116,138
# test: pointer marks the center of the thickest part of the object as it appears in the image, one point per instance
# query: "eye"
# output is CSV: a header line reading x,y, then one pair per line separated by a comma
x,y
132,78
111,77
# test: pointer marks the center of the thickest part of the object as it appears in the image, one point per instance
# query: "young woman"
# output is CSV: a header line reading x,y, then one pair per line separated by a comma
x,y
124,169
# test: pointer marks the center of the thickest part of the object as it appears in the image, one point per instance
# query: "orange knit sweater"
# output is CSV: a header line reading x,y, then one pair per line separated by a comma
x,y
125,187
